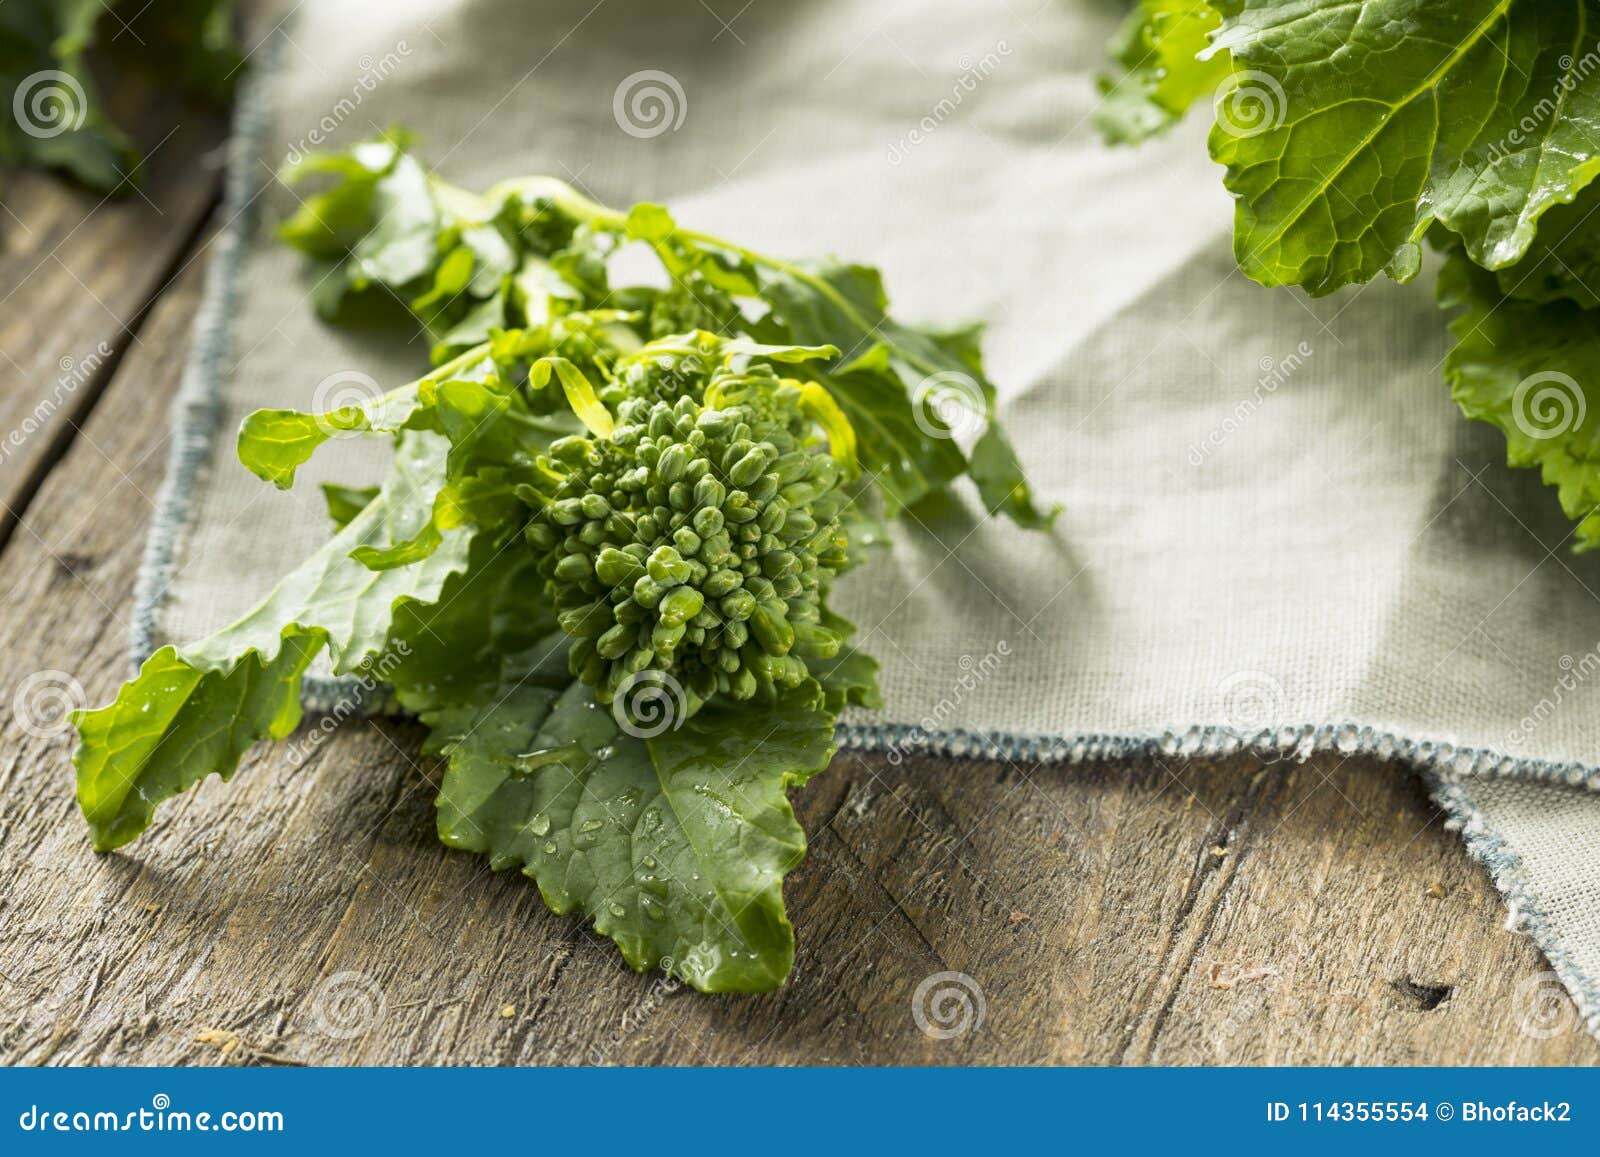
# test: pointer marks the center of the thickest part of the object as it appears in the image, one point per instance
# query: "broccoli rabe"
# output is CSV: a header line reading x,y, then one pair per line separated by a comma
x,y
599,569
699,537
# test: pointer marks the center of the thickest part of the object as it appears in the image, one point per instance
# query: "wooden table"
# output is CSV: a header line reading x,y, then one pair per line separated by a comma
x,y
1148,911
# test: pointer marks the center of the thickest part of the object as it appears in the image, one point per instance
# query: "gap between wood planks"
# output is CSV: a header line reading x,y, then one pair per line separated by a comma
x,y
80,271
69,422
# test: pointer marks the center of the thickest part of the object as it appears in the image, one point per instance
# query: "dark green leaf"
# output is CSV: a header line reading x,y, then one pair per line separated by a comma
x,y
61,122
675,846
1352,127
1532,371
345,502
845,305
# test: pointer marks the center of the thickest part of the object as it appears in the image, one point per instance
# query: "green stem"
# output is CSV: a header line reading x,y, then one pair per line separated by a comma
x,y
440,373
567,199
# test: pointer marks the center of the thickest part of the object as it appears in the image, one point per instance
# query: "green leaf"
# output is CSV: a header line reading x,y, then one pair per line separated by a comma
x,y
819,405
195,710
535,283
1531,370
1563,263
274,444
850,680
782,354
399,250
495,444
845,306
1159,49
450,280
407,553
451,663
188,43
493,259
474,328
1352,127
648,222
675,846
55,116
579,390
904,458
178,722
345,502
331,220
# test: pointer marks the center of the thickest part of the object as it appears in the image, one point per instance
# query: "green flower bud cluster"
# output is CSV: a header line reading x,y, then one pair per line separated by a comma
x,y
693,304
697,540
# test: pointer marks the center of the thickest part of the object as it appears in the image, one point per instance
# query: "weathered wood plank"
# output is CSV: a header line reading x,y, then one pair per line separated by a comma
x,y
78,270
1145,911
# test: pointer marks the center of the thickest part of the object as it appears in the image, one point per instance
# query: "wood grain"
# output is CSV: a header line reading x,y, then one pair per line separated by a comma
x,y
1145,911
79,270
